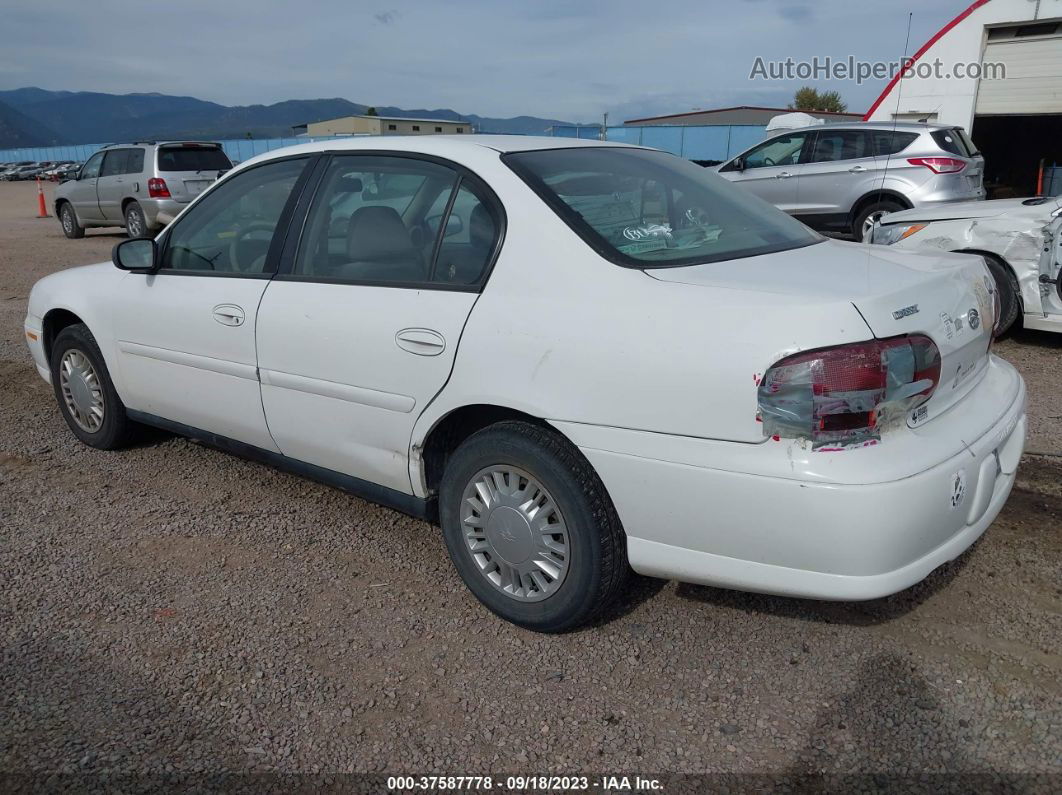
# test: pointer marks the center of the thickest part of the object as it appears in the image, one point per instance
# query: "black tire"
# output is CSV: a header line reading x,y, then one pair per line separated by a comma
x,y
68,219
1009,294
116,430
597,570
135,222
883,206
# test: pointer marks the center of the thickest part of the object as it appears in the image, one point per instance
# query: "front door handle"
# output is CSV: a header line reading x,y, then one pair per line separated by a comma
x,y
857,169
783,175
421,341
229,315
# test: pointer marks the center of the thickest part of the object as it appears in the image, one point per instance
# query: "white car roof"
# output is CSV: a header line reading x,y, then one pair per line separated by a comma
x,y
448,146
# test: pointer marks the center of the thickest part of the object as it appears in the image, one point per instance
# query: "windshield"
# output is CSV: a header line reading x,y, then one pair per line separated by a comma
x,y
188,158
647,209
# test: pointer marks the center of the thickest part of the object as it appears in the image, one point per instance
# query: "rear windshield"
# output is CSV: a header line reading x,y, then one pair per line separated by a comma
x,y
955,141
193,158
647,209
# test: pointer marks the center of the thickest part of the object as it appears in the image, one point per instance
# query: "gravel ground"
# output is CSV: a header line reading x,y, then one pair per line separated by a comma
x,y
171,609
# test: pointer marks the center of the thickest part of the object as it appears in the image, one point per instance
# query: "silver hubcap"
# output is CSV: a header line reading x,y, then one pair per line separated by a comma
x,y
68,220
81,390
872,219
515,533
132,224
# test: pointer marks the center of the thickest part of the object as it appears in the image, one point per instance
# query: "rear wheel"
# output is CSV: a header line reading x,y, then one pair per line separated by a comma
x,y
1009,294
530,528
866,218
68,218
85,393
135,223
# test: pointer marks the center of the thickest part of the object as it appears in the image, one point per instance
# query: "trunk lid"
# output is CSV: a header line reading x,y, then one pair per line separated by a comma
x,y
943,296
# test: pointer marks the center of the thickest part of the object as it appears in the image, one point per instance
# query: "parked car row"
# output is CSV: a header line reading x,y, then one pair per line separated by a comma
x,y
46,169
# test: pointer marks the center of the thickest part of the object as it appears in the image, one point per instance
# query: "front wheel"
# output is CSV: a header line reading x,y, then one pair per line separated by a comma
x,y
85,393
530,527
68,218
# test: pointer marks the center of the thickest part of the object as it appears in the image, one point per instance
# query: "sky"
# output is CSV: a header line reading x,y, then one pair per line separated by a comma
x,y
565,59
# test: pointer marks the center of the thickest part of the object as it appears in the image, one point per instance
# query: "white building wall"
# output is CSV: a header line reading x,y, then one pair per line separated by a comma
x,y
953,101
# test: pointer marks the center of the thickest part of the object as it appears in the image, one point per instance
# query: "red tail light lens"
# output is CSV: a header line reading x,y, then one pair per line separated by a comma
x,y
157,189
842,396
939,165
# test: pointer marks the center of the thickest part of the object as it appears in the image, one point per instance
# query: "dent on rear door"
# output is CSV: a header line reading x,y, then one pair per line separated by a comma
x,y
1050,270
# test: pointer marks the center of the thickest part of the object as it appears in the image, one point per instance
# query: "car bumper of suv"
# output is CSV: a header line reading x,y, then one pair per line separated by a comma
x,y
159,212
766,530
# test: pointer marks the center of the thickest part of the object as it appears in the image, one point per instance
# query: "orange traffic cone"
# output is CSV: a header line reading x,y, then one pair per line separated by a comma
x,y
42,208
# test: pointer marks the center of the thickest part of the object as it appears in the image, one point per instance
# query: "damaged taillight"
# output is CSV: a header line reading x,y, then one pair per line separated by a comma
x,y
842,396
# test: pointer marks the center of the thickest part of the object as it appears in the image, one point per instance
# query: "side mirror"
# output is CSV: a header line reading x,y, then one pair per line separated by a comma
x,y
454,224
739,164
138,254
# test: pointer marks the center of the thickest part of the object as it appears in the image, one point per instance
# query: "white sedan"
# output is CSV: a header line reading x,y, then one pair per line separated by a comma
x,y
1021,240
576,357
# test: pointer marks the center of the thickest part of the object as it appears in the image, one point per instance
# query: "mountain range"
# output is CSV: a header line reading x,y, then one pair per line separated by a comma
x,y
36,117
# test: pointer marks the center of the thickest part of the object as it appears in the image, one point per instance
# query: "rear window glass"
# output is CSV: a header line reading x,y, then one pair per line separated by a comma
x,y
891,143
647,209
190,158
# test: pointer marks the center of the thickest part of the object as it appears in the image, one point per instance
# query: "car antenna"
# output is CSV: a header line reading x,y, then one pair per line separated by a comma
x,y
895,114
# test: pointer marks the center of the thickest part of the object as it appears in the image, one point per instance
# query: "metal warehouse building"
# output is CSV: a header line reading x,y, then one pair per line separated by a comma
x,y
1016,119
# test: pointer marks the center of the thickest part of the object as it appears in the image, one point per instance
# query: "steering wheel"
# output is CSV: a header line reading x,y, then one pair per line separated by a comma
x,y
696,216
768,162
234,246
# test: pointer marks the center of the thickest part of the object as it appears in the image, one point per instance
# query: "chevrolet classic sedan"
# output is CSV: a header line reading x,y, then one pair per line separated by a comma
x,y
577,358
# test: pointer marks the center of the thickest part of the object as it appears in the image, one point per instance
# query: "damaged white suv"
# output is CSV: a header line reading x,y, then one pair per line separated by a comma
x,y
576,357
1020,239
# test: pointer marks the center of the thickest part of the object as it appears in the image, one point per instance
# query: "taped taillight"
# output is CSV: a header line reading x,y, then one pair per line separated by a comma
x,y
157,188
939,165
842,396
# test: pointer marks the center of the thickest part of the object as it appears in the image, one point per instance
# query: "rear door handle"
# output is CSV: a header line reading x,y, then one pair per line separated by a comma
x,y
421,341
229,315
857,169
783,175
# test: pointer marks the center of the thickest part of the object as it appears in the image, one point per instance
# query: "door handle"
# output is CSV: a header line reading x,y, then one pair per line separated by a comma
x,y
229,315
421,341
857,169
782,175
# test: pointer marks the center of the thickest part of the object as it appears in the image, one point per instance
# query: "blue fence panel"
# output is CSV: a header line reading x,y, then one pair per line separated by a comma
x,y
237,149
667,138
625,135
1053,181
705,143
742,137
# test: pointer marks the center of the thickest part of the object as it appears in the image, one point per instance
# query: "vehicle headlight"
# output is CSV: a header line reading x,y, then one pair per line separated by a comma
x,y
893,233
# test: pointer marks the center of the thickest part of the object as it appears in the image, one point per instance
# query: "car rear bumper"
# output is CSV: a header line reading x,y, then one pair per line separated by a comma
x,y
159,212
799,534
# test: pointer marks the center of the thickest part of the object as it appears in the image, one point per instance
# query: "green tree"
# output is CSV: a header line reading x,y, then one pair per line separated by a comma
x,y
807,98
371,112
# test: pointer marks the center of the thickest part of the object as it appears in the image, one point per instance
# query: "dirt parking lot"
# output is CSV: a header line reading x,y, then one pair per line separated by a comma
x,y
173,610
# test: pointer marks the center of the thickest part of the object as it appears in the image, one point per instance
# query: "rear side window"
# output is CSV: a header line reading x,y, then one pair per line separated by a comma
x,y
954,141
891,143
834,145
134,161
193,158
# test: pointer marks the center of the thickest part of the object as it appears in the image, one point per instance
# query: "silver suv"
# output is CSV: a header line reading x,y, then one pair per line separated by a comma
x,y
141,186
847,176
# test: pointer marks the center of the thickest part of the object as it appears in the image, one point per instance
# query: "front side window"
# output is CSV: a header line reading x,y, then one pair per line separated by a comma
x,y
647,209
230,229
91,169
835,145
781,151
385,220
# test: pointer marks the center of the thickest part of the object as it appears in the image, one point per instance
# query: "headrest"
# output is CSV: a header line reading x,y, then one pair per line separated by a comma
x,y
376,233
